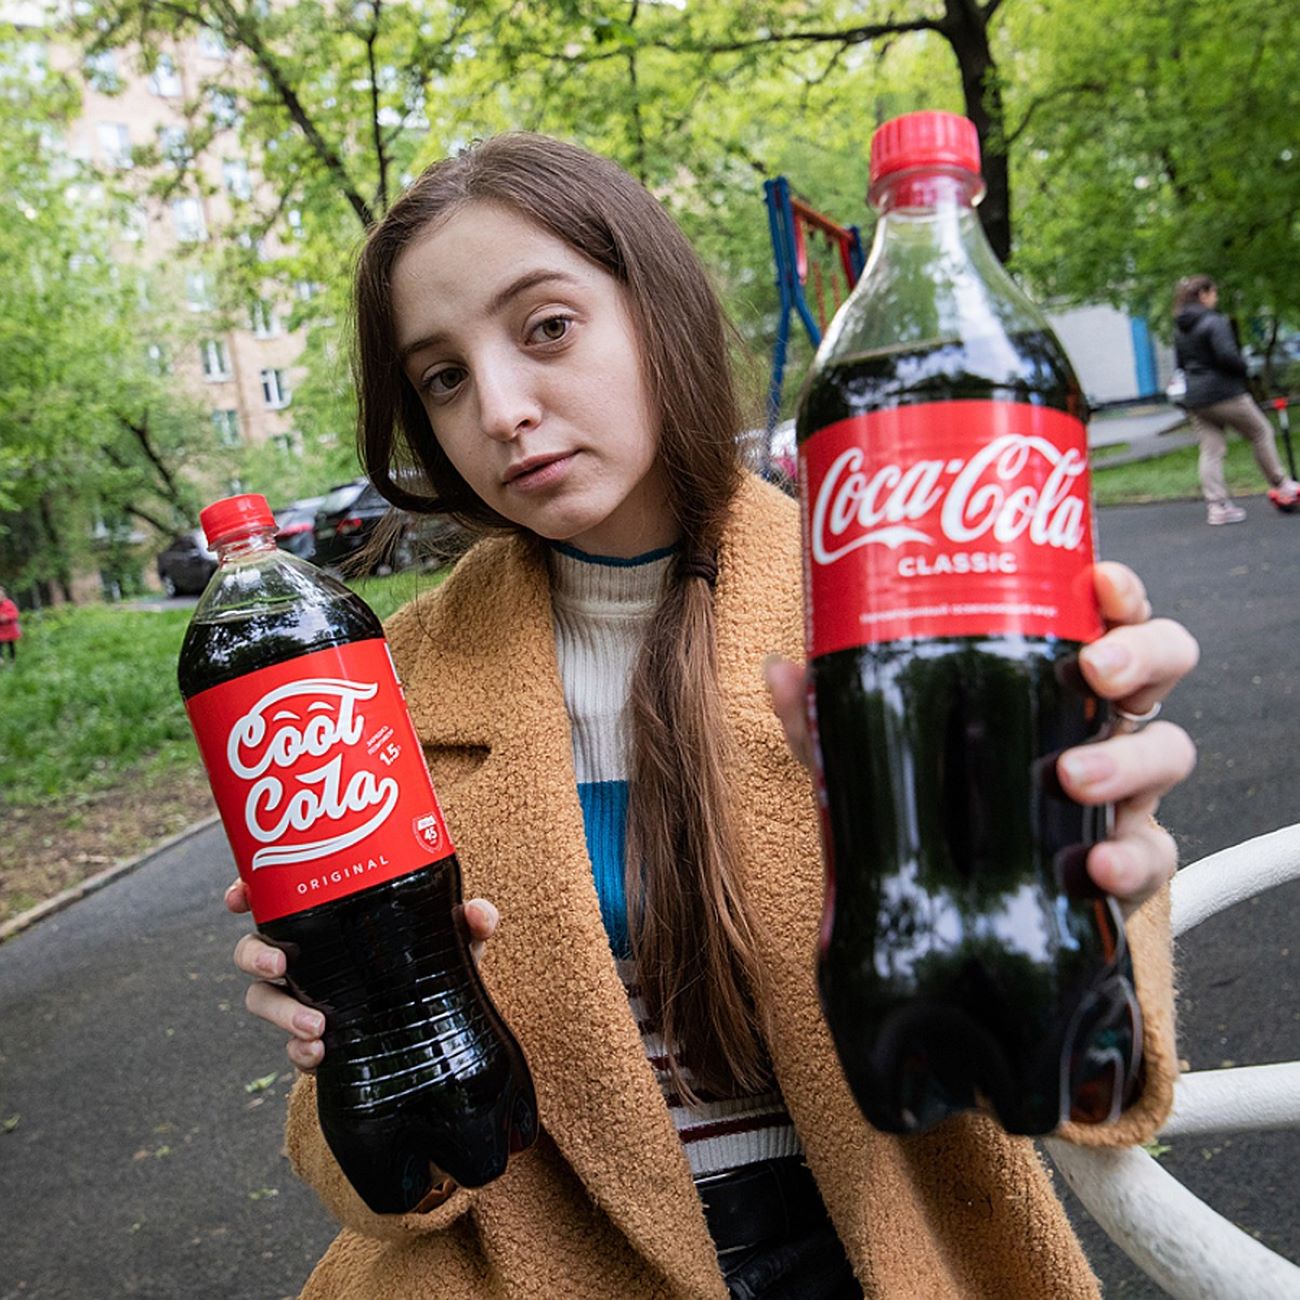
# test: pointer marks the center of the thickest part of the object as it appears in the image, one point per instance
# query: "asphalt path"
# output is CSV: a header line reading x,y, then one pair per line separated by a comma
x,y
141,1108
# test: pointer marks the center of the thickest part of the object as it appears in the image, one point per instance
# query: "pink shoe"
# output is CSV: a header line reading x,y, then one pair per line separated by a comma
x,y
1224,512
1286,496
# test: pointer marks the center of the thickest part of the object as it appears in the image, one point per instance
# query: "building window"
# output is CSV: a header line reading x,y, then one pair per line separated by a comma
x,y
211,45
175,146
236,178
158,361
305,289
165,80
295,221
262,317
215,358
187,221
224,108
135,223
252,244
275,389
101,72
114,143
33,61
226,424
198,292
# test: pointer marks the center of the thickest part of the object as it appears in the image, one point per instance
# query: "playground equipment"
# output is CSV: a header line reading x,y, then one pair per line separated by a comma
x,y
796,231
1175,1238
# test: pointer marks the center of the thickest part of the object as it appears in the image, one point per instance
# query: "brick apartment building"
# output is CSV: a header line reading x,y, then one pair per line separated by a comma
x,y
242,369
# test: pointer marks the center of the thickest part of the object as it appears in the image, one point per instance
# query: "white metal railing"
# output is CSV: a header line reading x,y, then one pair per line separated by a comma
x,y
1193,1252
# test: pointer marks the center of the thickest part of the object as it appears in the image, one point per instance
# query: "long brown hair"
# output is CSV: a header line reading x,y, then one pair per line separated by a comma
x,y
692,935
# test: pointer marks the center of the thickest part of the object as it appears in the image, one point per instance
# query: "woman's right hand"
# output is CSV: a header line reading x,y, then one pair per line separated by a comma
x,y
273,1003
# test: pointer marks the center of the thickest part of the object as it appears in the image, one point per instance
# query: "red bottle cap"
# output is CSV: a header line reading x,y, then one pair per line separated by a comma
x,y
233,517
929,139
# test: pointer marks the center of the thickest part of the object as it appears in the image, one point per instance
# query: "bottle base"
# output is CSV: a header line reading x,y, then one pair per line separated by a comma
x,y
391,1158
927,1062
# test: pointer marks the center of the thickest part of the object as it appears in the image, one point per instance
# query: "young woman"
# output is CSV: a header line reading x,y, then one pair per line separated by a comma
x,y
539,352
1218,400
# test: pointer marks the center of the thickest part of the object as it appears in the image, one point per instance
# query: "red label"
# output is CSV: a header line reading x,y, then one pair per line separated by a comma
x,y
947,519
319,777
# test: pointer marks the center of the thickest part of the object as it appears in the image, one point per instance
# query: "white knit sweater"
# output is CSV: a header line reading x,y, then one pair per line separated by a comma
x,y
602,610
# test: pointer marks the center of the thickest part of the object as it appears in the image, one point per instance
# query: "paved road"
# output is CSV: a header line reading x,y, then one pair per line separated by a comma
x,y
140,1164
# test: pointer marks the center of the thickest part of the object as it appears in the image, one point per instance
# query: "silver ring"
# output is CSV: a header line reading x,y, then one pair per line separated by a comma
x,y
1126,723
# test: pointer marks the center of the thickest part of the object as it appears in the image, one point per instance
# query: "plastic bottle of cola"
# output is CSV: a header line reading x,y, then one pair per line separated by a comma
x,y
965,959
336,831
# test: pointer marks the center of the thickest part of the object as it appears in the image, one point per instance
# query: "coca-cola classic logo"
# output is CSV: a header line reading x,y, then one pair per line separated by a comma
x,y
966,500
291,745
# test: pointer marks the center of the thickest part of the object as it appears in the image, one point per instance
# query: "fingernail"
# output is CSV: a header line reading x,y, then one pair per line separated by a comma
x,y
1109,660
310,1022
1087,766
269,963
768,661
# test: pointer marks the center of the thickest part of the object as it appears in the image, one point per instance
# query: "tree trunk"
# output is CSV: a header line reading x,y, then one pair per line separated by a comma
x,y
965,25
62,574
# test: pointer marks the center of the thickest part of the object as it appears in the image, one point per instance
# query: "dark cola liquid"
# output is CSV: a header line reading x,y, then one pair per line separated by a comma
x,y
966,958
419,1067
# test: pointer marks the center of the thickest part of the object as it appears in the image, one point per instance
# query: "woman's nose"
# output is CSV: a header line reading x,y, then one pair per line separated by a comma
x,y
507,403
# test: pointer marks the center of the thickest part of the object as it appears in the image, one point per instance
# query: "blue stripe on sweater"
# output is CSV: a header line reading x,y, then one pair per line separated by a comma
x,y
604,818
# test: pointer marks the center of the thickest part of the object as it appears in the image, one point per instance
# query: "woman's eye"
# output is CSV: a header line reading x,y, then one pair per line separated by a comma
x,y
552,329
443,381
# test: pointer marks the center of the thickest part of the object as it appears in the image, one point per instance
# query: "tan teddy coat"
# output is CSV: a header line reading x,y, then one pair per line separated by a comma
x,y
604,1205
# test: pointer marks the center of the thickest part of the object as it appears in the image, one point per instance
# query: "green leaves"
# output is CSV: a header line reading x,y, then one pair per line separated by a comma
x,y
1159,141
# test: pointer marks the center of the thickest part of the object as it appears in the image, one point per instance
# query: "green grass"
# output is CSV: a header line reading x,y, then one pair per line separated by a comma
x,y
93,693
386,595
92,698
1172,477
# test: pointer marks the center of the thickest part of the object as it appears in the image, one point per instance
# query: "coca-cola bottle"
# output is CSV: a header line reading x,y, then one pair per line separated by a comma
x,y
337,834
965,959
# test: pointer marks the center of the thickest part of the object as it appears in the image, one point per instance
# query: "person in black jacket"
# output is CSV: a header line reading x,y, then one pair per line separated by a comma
x,y
1218,400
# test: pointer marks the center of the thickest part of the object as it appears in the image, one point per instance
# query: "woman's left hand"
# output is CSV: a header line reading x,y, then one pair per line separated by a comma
x,y
1134,665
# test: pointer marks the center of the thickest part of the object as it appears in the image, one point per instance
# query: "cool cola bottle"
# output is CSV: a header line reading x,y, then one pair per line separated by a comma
x,y
327,803
965,960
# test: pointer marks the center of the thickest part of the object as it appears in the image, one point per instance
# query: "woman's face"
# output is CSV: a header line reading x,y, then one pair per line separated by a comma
x,y
1210,297
526,360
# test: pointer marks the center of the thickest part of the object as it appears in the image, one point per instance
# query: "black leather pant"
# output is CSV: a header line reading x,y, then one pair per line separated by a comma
x,y
773,1236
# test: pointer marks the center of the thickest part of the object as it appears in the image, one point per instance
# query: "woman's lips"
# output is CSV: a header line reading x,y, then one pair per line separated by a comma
x,y
540,472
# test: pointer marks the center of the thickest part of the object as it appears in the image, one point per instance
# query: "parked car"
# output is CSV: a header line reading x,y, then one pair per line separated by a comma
x,y
345,521
348,517
296,527
774,456
186,565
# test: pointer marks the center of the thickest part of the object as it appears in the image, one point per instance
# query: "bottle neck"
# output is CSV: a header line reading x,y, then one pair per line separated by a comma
x,y
928,225
927,192
230,549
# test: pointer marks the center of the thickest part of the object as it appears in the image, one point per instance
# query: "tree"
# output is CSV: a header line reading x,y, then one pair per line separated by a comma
x,y
91,433
1157,140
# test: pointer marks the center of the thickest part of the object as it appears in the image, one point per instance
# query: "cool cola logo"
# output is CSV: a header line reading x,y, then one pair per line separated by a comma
x,y
1016,486
292,745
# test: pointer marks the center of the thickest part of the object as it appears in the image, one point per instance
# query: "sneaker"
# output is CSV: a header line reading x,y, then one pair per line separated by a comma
x,y
1225,512
1286,496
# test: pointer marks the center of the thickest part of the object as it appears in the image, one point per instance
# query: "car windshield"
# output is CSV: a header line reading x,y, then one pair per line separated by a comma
x,y
340,498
